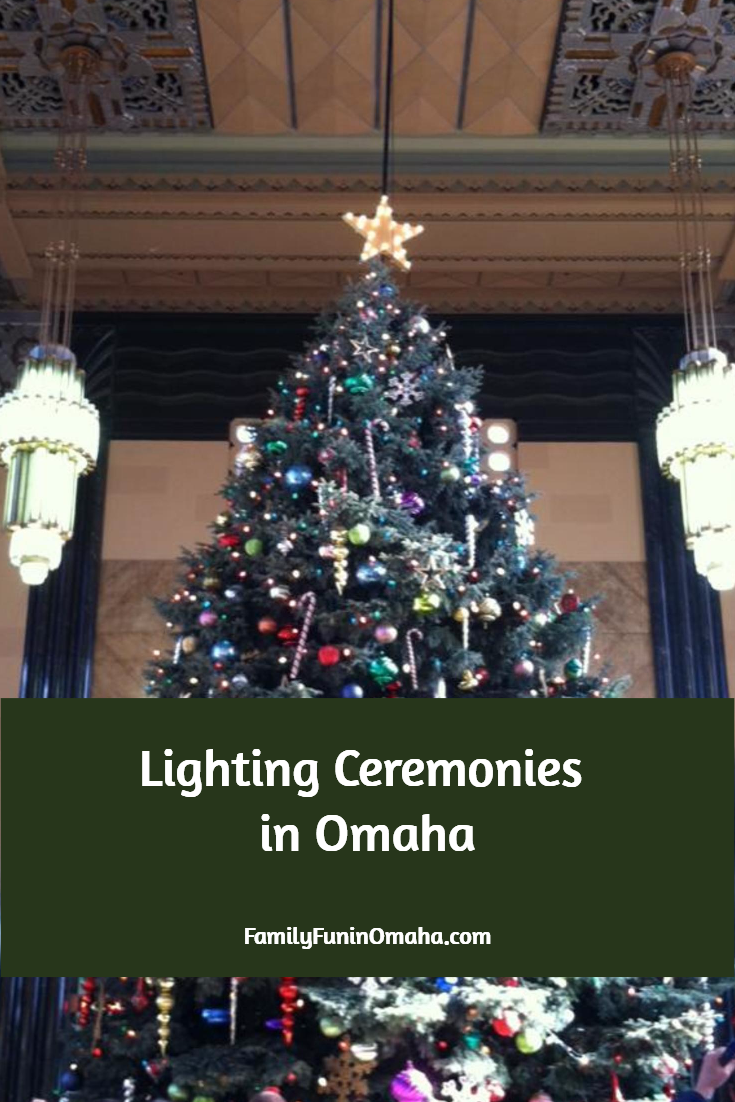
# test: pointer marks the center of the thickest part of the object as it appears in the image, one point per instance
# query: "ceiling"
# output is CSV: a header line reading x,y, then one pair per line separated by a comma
x,y
234,133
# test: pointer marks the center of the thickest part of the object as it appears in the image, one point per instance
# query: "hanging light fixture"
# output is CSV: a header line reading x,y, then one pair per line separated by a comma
x,y
49,432
696,432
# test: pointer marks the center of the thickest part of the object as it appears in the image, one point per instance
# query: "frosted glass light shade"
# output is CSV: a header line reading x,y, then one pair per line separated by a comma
x,y
696,446
49,435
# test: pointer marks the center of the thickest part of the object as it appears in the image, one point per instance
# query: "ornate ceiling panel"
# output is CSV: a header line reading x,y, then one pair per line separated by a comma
x,y
149,73
604,76
315,66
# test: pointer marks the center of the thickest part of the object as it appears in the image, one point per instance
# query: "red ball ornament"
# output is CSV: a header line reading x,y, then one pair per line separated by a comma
x,y
482,675
266,626
569,602
97,1052
508,1024
228,541
288,635
328,656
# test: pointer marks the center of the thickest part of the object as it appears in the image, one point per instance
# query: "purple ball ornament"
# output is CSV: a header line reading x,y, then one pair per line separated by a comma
x,y
207,618
386,633
523,668
411,503
411,1085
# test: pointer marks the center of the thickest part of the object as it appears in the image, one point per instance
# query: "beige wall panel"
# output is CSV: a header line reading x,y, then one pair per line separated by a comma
x,y
161,495
589,504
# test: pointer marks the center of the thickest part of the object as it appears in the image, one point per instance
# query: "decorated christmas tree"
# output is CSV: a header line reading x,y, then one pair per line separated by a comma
x,y
390,1039
366,548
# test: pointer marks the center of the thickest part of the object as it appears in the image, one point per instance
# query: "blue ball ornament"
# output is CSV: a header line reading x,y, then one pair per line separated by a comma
x,y
370,573
70,1080
387,290
215,1015
296,478
353,692
223,650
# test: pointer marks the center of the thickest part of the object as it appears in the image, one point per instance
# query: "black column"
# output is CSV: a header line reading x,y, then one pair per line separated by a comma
x,y
60,630
686,621
31,1021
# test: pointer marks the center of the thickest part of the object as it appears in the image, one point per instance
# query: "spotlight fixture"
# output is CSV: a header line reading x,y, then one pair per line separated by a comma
x,y
500,440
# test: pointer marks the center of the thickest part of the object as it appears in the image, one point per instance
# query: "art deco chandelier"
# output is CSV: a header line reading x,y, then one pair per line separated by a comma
x,y
49,432
696,432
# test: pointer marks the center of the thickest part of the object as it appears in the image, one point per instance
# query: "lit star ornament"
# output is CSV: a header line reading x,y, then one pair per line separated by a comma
x,y
382,234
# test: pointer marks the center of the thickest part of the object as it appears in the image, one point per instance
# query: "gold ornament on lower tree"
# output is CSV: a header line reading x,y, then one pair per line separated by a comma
x,y
340,555
468,682
165,1003
346,1076
382,234
210,581
189,644
461,614
487,610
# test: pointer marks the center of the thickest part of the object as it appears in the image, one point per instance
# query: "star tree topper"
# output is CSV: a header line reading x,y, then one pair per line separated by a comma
x,y
382,234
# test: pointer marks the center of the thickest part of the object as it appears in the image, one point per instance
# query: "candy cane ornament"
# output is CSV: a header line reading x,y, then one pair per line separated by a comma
x,y
586,651
471,529
411,634
307,601
372,461
330,399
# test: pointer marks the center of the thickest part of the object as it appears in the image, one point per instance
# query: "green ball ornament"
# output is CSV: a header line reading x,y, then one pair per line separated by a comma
x,y
472,1041
203,1098
276,447
359,535
331,1027
450,474
383,670
358,384
177,1093
573,669
254,548
529,1041
426,603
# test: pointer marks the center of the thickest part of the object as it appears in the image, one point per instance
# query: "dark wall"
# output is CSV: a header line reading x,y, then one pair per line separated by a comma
x,y
186,377
31,1015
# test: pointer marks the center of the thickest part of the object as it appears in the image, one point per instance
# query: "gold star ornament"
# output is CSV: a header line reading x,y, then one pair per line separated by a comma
x,y
382,234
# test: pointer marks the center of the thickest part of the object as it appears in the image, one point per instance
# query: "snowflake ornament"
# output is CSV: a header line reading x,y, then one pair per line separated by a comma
x,y
525,528
404,389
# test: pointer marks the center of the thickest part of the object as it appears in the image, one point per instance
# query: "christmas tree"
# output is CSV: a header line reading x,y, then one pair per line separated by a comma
x,y
380,1039
366,549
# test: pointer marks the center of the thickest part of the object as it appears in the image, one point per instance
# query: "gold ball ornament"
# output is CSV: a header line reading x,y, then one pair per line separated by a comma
x,y
488,609
189,644
461,614
211,581
251,459
365,1053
